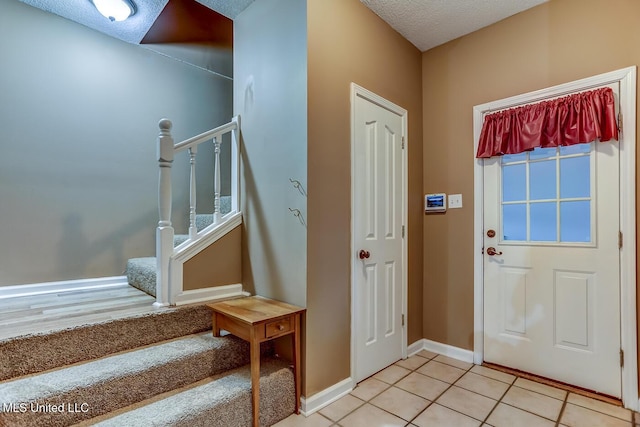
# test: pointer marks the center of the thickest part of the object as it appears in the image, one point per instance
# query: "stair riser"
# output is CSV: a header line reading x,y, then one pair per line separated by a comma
x,y
276,403
141,274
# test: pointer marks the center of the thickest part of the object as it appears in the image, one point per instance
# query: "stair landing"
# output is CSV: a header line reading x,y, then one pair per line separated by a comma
x,y
56,311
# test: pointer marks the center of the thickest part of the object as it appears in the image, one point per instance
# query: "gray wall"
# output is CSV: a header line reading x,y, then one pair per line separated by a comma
x,y
270,94
78,120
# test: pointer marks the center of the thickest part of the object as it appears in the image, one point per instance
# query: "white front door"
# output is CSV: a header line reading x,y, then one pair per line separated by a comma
x,y
377,236
552,268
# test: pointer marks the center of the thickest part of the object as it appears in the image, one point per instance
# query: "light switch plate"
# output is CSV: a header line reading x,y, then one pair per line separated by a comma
x,y
455,201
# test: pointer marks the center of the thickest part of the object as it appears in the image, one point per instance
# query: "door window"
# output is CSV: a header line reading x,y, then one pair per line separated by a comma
x,y
547,196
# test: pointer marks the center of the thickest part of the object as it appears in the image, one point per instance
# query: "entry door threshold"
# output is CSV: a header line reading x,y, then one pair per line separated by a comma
x,y
557,384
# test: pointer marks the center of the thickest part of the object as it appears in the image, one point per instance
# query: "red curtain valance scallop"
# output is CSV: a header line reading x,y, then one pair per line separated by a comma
x,y
575,119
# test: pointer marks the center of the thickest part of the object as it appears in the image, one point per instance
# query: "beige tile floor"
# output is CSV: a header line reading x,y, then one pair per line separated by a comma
x,y
430,390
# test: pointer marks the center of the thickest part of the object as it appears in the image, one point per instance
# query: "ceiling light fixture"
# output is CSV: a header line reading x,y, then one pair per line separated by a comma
x,y
115,10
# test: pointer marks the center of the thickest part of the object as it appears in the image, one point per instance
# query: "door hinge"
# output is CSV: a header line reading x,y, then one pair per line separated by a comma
x,y
620,240
621,358
403,322
619,122
403,231
403,142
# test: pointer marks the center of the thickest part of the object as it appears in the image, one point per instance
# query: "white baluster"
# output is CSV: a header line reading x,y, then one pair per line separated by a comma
x,y
164,232
193,230
216,182
235,166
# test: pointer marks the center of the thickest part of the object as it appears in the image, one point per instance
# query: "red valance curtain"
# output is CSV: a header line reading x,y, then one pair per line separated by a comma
x,y
575,119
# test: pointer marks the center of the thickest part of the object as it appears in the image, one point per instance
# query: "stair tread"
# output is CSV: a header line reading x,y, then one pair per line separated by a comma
x,y
29,354
221,400
100,370
115,381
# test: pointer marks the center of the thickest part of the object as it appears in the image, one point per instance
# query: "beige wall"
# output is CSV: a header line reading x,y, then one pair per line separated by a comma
x,y
348,43
218,265
557,42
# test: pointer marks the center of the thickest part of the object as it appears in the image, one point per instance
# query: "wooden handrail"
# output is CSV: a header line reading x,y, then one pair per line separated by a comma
x,y
165,289
207,136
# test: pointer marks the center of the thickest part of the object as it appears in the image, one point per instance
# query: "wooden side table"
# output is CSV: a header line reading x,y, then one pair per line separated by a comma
x,y
257,319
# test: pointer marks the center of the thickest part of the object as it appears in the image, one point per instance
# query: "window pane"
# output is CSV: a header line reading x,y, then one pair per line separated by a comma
x,y
575,149
575,177
510,158
542,153
514,222
575,221
542,180
514,183
543,222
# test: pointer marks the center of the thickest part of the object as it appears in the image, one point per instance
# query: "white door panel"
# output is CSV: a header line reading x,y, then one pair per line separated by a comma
x,y
378,210
552,289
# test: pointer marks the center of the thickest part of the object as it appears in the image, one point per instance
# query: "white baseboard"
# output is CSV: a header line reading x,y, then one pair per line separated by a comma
x,y
415,348
209,294
443,349
62,286
327,396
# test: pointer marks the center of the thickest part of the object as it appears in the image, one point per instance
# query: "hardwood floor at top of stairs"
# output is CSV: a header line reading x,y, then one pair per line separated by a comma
x,y
55,311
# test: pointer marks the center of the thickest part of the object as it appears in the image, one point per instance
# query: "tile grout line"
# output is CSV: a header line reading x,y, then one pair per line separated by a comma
x,y
498,401
332,423
564,405
445,390
528,411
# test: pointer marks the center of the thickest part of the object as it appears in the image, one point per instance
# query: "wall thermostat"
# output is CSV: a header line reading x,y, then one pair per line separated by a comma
x,y
435,202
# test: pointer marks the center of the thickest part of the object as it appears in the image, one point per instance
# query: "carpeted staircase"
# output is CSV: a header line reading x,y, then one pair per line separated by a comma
x,y
158,369
141,272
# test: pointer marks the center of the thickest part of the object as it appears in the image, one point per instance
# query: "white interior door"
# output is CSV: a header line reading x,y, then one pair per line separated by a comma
x,y
552,269
377,237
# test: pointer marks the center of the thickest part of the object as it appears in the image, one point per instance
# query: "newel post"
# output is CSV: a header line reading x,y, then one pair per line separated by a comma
x,y
164,232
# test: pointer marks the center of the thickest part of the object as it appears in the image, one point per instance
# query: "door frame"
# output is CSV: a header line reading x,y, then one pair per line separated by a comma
x,y
360,92
628,323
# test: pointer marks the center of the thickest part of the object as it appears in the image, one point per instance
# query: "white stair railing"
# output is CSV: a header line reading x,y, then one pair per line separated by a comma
x,y
168,286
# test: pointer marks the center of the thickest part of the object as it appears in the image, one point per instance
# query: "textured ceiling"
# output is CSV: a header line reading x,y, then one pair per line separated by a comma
x,y
430,23
133,29
425,23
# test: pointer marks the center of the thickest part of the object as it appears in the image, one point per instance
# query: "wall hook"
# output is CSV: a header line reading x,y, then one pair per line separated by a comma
x,y
298,214
298,186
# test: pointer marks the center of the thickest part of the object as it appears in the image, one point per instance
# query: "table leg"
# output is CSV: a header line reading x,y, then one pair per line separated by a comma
x,y
296,360
255,377
215,328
